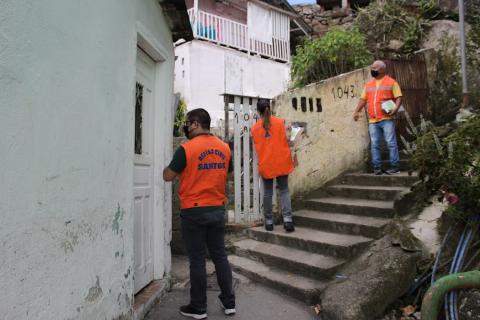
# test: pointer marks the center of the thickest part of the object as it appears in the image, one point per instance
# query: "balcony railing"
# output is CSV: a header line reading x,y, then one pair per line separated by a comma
x,y
233,34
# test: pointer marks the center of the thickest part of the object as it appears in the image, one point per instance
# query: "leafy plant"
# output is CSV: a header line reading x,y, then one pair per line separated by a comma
x,y
384,23
429,9
180,117
339,51
448,161
473,57
447,85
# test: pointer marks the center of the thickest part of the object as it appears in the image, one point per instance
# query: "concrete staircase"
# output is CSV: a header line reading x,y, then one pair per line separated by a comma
x,y
333,225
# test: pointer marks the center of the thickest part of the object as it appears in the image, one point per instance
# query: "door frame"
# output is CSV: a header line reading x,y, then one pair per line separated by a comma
x,y
147,42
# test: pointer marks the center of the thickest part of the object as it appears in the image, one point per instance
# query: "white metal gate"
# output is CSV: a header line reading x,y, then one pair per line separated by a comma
x,y
248,185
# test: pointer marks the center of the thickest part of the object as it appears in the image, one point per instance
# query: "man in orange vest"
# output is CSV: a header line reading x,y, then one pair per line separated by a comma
x,y
383,98
203,164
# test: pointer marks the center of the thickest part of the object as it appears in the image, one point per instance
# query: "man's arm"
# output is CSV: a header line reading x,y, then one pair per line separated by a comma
x,y
397,94
398,102
176,166
169,174
360,105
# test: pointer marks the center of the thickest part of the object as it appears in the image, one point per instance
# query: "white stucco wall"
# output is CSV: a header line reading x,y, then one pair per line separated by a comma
x,y
67,73
152,24
211,70
333,142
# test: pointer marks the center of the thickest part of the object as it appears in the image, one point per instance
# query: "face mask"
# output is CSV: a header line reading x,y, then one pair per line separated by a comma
x,y
186,131
374,73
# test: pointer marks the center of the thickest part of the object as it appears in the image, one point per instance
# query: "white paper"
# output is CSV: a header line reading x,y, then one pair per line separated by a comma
x,y
388,106
295,132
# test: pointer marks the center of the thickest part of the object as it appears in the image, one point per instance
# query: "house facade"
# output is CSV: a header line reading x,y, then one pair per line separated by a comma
x,y
239,48
86,115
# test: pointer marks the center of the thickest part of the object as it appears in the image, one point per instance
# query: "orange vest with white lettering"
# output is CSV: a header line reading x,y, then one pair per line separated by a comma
x,y
274,157
202,182
377,95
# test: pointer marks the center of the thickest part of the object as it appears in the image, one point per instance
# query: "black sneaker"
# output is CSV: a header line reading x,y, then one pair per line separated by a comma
x,y
392,171
230,311
289,227
189,311
377,172
269,227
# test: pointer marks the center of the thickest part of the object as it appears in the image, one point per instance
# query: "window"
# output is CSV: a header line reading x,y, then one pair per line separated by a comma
x,y
138,118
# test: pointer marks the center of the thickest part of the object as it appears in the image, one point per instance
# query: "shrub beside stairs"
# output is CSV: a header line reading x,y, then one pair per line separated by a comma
x,y
333,225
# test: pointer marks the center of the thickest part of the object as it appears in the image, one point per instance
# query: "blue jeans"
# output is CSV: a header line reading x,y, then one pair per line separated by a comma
x,y
385,129
285,200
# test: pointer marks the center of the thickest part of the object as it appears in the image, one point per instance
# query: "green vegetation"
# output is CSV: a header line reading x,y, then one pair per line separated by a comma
x,y
339,51
448,161
473,55
180,117
446,92
390,28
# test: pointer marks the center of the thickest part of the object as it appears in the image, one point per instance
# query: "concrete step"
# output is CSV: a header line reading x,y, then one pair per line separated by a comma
x,y
404,164
363,192
316,241
302,288
369,227
360,207
402,179
289,259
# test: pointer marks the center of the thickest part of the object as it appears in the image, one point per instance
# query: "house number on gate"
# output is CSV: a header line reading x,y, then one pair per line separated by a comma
x,y
344,92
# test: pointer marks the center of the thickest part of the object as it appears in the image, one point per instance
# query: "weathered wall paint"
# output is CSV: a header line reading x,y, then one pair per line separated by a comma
x,y
67,73
151,18
209,70
333,143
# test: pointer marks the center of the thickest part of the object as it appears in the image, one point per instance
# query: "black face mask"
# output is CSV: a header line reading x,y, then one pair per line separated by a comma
x,y
186,131
374,73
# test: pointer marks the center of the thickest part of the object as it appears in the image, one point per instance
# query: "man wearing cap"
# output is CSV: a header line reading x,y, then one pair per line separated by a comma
x,y
383,97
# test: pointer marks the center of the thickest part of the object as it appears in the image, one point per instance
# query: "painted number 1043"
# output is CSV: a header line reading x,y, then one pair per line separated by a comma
x,y
344,92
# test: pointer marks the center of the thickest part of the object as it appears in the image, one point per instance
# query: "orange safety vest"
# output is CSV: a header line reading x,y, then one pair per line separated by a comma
x,y
377,95
274,157
202,182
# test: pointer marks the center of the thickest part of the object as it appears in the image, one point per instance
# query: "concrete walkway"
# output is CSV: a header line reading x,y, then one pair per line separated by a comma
x,y
254,301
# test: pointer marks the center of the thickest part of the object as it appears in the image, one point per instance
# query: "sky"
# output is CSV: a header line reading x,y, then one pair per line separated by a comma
x,y
301,1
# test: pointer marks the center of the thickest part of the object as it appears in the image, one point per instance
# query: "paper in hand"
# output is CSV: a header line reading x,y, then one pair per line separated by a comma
x,y
388,106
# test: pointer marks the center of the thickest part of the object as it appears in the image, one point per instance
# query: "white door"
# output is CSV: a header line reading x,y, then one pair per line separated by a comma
x,y
143,172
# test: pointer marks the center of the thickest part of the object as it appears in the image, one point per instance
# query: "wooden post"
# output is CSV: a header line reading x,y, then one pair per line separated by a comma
x,y
246,158
226,99
237,158
256,177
